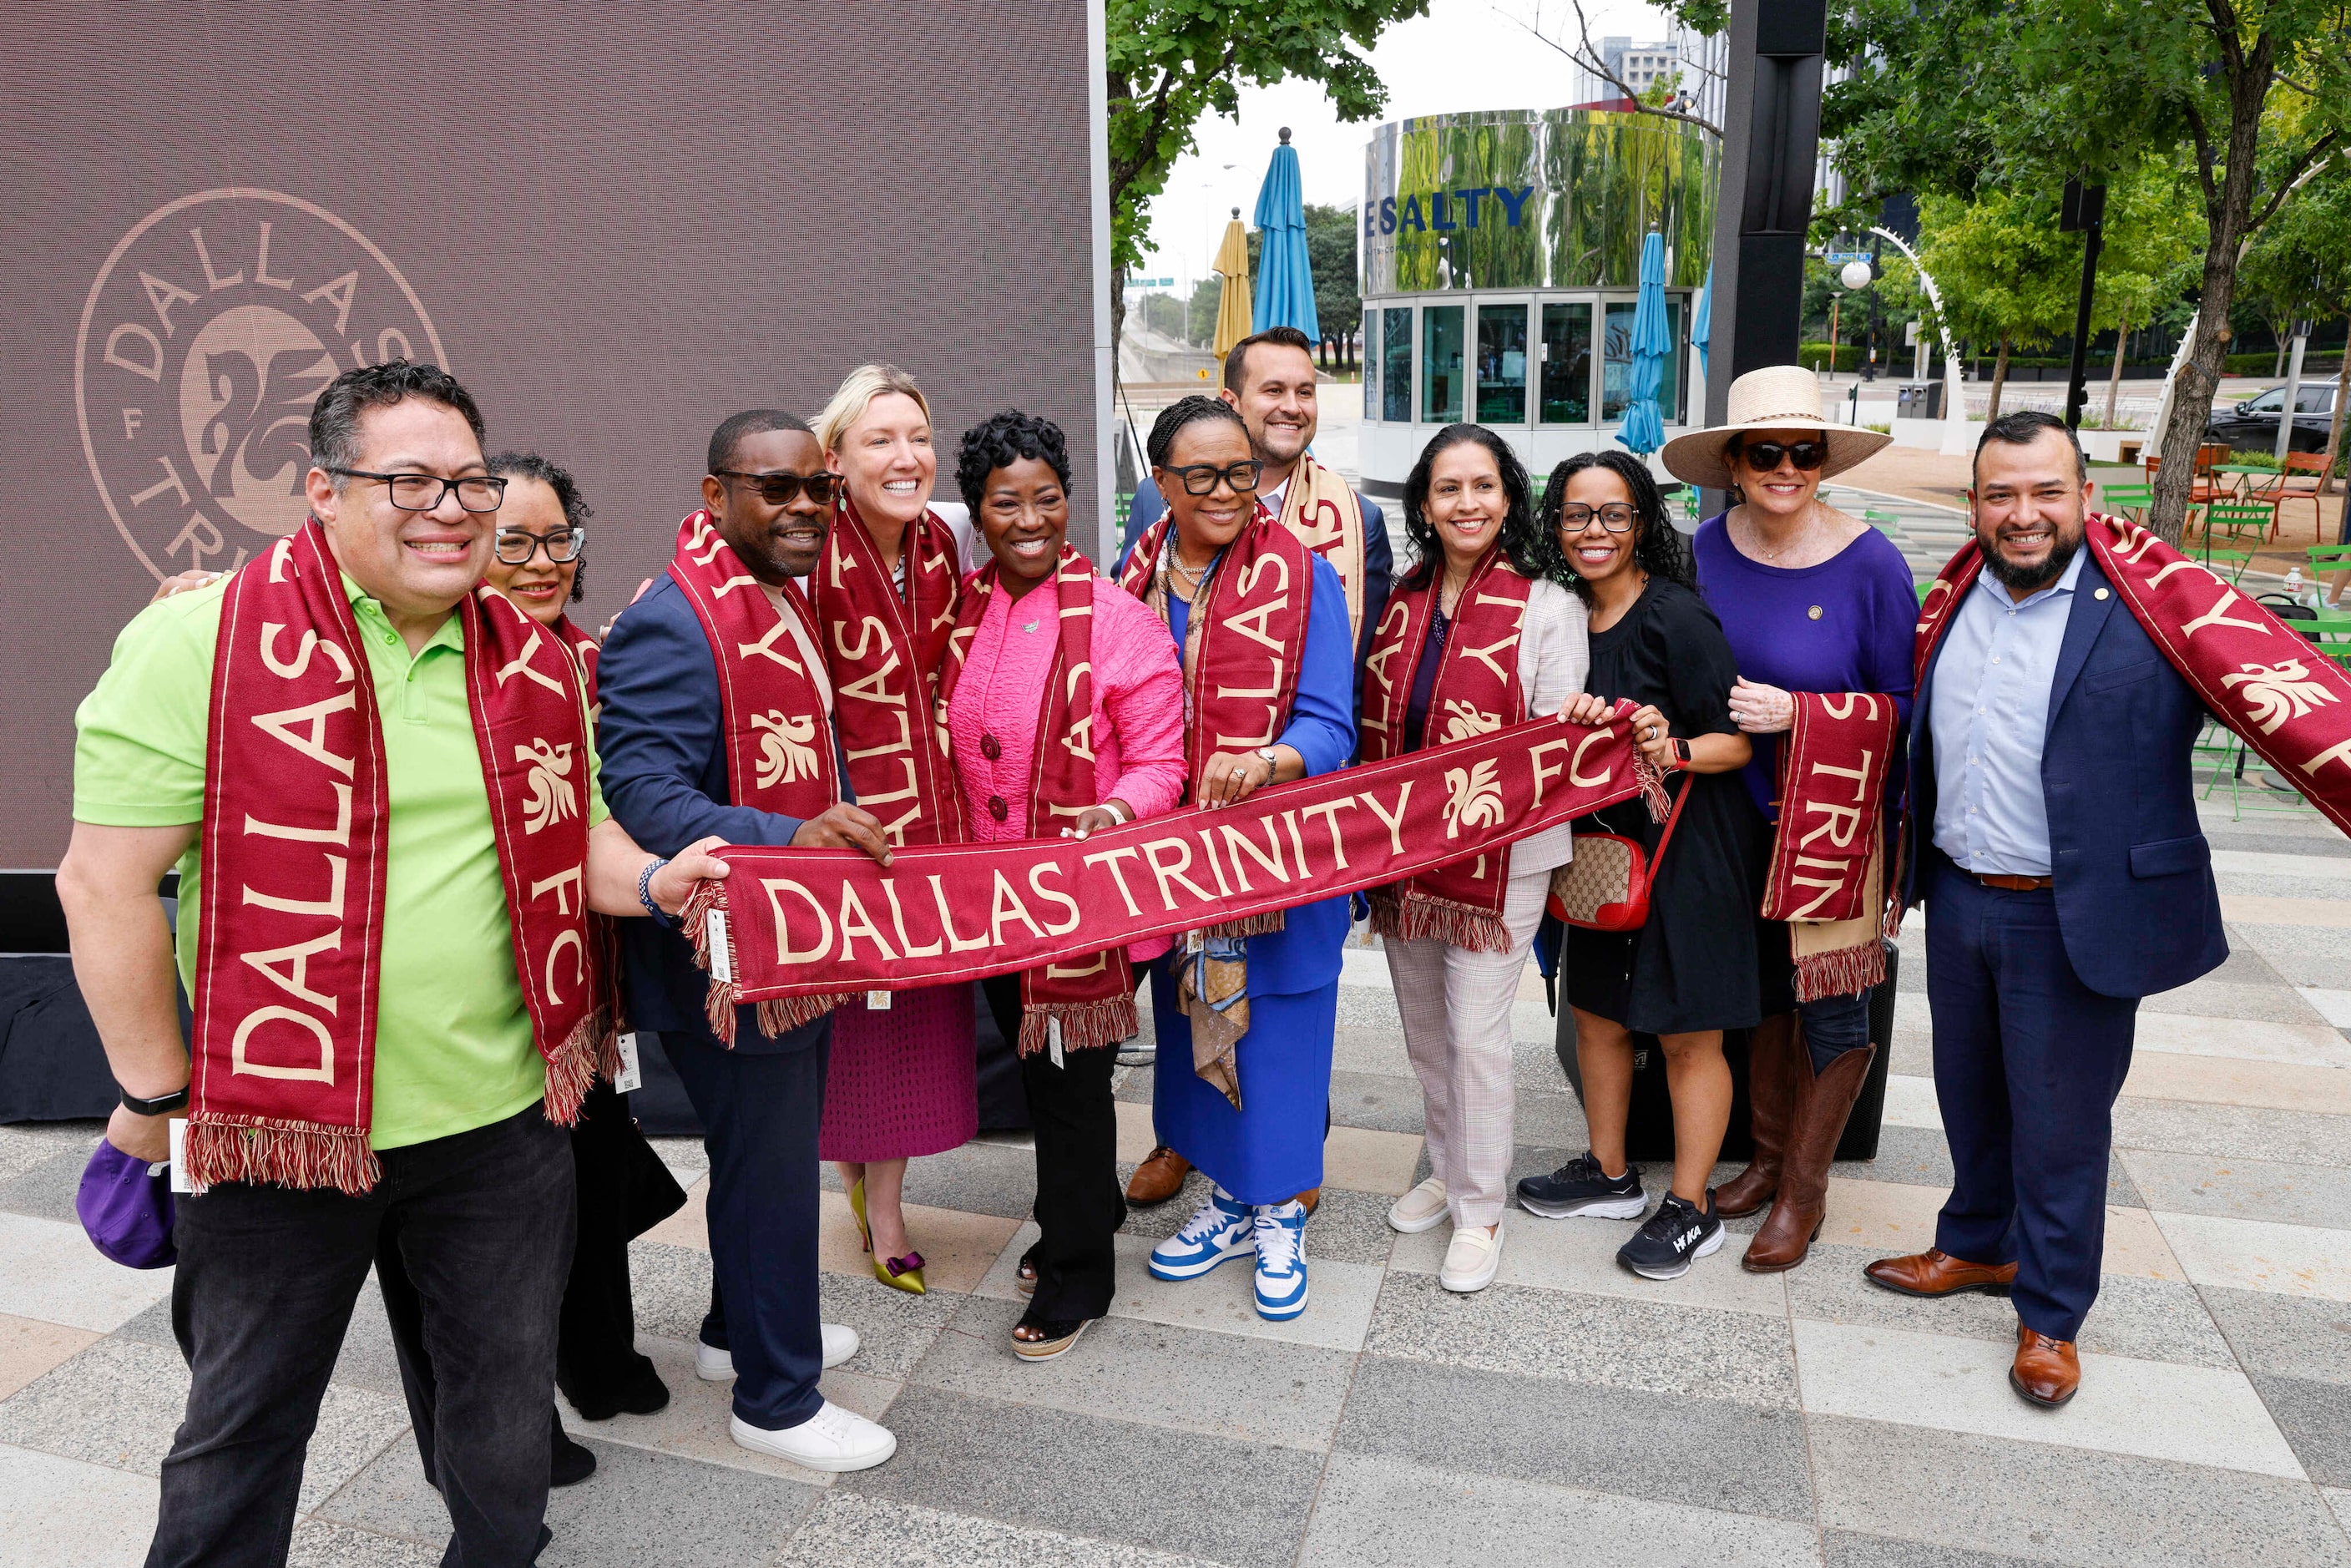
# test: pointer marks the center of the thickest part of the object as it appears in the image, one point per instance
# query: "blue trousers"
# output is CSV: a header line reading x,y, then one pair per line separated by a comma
x,y
2028,1062
759,1113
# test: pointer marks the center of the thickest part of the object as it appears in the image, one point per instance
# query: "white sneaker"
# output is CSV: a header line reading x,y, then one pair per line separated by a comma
x,y
834,1438
713,1365
1471,1258
1418,1209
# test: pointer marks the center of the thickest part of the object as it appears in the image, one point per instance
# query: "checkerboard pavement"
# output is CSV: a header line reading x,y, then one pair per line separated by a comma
x,y
1570,1413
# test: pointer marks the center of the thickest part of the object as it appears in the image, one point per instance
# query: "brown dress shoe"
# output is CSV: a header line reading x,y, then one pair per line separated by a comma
x,y
1158,1178
1310,1197
1823,1104
1775,1061
2047,1371
1935,1272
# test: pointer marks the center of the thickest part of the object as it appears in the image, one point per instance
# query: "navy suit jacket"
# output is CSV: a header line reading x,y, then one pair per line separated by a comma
x,y
2137,905
664,778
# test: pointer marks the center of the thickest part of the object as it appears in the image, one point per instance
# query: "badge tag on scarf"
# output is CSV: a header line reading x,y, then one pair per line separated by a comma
x,y
722,956
1053,1040
631,1077
877,1001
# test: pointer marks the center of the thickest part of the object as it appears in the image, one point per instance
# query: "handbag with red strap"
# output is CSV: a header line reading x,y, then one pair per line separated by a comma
x,y
1605,887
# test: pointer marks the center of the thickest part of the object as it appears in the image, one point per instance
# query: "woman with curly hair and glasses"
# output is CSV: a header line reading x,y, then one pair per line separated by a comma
x,y
1457,937
1688,972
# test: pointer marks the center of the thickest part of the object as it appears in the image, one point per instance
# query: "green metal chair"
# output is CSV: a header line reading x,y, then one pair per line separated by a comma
x,y
1884,522
2130,500
2230,564
2238,518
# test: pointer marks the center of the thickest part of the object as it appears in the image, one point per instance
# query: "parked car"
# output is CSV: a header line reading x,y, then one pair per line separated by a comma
x,y
2254,421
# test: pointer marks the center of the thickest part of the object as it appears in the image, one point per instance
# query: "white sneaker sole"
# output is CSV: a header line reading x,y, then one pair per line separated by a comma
x,y
1705,1249
1246,1249
1593,1208
761,1441
715,1365
1429,1221
1282,1314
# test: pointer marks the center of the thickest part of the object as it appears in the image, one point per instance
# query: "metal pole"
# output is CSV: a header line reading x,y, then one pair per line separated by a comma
x,y
2293,391
2084,209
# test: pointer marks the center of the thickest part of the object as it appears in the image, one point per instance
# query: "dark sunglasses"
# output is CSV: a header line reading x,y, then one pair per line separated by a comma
x,y
1765,455
778,489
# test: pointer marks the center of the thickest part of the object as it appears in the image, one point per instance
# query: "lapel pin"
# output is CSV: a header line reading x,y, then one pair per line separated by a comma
x,y
2099,594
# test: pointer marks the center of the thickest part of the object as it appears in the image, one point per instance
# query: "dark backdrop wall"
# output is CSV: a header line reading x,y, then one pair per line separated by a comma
x,y
616,224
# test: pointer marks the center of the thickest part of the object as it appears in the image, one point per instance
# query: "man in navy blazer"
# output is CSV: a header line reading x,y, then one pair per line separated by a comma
x,y
2053,839
663,743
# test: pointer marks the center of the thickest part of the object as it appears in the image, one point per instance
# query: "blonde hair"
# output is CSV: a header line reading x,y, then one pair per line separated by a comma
x,y
856,394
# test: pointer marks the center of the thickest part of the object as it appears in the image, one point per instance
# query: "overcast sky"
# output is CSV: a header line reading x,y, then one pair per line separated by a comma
x,y
1464,54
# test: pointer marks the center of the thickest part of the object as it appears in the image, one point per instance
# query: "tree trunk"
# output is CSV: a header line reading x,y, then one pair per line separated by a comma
x,y
1117,314
2114,382
2278,368
2335,431
1999,380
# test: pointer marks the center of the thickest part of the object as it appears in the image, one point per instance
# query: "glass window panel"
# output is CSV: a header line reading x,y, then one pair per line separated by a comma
x,y
1440,363
1396,368
1501,364
1371,366
1669,384
1616,360
1566,364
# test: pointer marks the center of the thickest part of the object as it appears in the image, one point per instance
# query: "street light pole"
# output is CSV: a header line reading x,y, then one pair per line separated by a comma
x,y
2085,210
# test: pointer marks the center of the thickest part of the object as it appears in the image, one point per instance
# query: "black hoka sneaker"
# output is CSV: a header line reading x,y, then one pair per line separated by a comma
x,y
1677,1236
1579,1188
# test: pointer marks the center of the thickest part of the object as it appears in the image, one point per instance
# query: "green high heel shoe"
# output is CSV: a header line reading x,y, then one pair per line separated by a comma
x,y
898,1273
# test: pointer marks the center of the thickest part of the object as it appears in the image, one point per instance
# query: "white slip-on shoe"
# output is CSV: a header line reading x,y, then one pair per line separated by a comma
x,y
840,1343
1471,1258
834,1438
713,1365
1419,1209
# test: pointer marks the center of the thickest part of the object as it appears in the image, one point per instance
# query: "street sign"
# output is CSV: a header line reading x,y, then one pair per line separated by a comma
x,y
1839,257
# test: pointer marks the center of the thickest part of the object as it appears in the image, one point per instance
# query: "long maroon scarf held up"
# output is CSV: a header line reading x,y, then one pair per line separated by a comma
x,y
1089,1002
296,822
1476,690
1827,878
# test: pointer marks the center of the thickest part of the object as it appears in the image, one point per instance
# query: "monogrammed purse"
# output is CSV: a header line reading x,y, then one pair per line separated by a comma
x,y
1605,887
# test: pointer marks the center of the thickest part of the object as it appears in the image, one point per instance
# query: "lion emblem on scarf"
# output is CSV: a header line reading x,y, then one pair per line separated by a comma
x,y
1464,721
785,752
552,798
2275,693
1474,798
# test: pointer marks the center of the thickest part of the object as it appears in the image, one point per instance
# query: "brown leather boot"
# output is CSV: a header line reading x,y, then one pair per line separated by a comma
x,y
1936,1272
1310,1197
1159,1177
2046,1372
1803,1198
1775,1059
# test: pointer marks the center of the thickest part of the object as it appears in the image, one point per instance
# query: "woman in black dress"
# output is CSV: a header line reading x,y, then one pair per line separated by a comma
x,y
1689,972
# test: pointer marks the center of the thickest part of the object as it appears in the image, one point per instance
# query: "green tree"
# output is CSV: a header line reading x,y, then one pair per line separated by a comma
x,y
2149,255
1171,61
2003,268
1164,313
1200,312
1331,252
2303,260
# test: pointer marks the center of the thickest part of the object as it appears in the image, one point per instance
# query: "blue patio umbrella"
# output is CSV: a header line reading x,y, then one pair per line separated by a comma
x,y
1643,429
1285,278
1702,321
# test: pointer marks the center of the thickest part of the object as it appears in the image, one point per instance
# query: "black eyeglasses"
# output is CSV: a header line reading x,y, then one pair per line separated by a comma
x,y
1764,455
1617,518
517,546
1201,479
778,489
422,492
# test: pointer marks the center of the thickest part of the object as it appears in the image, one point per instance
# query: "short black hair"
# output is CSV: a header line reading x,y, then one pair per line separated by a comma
x,y
1185,410
1657,546
335,418
1237,357
1002,440
1533,549
2022,428
558,478
735,427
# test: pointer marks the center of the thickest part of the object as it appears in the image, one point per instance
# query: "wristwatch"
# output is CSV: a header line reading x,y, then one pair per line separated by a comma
x,y
1272,763
177,1100
1681,752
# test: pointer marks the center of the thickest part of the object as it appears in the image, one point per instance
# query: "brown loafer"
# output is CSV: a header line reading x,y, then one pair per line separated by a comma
x,y
1158,1178
1936,1272
1310,1197
2047,1371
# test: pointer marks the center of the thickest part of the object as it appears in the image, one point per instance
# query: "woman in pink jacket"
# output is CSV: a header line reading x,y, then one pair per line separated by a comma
x,y
1028,666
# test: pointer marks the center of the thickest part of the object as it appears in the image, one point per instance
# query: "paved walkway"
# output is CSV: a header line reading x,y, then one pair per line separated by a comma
x,y
1570,1414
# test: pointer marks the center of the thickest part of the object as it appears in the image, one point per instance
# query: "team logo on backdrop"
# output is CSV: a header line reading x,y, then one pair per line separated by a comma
x,y
209,333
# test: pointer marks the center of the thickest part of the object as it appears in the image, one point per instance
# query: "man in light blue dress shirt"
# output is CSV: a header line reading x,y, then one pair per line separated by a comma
x,y
2055,841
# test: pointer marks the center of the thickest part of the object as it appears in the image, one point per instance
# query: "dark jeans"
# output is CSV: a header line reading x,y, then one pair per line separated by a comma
x,y
482,1224
1834,1025
1080,1202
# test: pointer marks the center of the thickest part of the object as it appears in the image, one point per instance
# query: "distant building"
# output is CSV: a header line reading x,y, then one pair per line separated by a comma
x,y
1687,56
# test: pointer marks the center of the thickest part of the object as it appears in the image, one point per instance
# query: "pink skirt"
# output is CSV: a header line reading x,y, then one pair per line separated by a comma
x,y
902,1082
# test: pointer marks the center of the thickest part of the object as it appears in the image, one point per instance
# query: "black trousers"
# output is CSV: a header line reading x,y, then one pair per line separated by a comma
x,y
481,1222
624,1191
1079,1203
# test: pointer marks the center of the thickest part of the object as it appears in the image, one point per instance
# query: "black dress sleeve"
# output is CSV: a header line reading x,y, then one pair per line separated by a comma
x,y
1701,668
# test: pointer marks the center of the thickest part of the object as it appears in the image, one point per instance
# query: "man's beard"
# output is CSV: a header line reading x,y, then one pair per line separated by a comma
x,y
2021,580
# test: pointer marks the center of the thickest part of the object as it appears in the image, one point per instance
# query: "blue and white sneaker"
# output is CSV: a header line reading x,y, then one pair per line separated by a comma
x,y
1218,1231
1281,1260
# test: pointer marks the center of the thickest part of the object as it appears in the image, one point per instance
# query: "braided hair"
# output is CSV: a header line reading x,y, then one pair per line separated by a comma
x,y
1529,548
1657,546
1184,410
999,442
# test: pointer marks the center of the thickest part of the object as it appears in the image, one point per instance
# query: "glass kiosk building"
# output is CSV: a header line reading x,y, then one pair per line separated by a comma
x,y
1501,260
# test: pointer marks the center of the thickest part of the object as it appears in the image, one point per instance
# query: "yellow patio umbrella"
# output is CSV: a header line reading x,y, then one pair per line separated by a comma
x,y
1233,295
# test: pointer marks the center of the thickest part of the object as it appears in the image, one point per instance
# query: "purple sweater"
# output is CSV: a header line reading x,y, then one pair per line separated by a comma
x,y
1846,625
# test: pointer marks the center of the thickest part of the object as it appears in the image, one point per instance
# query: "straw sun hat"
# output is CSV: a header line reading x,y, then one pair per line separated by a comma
x,y
1778,397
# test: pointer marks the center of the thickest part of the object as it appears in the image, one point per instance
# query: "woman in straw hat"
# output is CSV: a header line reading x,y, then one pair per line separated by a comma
x,y
1813,601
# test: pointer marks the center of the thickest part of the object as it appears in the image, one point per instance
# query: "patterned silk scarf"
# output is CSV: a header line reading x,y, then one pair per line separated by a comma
x,y
884,648
1089,1002
296,822
1244,642
1325,514
1477,691
780,746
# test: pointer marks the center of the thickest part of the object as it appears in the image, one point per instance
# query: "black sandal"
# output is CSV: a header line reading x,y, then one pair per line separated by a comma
x,y
1024,1274
1054,1336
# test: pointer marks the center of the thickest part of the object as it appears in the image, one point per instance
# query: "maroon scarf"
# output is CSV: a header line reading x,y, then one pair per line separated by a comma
x,y
779,745
1477,691
1827,878
297,819
585,651
1089,1002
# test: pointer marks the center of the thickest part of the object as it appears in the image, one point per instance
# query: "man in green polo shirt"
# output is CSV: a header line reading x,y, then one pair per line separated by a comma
x,y
476,1183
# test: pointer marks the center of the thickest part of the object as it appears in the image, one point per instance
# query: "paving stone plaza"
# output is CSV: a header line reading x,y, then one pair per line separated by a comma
x,y
1569,1414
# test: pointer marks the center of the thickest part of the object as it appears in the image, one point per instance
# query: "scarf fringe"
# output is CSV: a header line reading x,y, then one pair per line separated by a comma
x,y
262,1150
1653,787
1421,917
781,1015
1248,926
1841,971
1085,1026
576,1063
